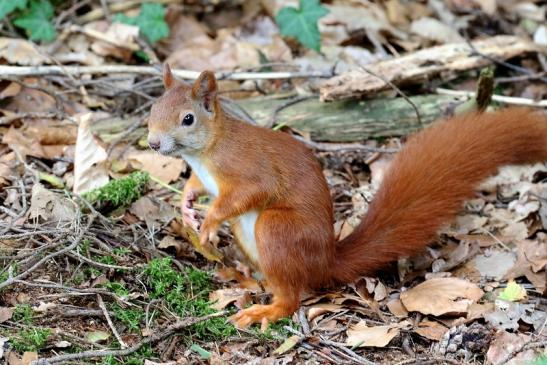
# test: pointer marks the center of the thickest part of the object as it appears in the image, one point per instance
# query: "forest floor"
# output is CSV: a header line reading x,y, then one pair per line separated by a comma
x,y
112,276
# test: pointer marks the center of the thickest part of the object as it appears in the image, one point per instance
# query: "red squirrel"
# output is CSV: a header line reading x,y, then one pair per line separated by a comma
x,y
272,191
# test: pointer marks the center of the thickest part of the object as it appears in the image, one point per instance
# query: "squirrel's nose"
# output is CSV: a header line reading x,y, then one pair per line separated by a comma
x,y
155,145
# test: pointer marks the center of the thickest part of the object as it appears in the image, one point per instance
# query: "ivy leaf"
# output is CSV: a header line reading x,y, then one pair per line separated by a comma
x,y
37,21
302,23
513,292
7,6
150,21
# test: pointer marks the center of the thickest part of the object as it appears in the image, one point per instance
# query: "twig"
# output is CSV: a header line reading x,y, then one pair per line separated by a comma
x,y
525,346
354,357
499,98
159,335
33,115
336,147
149,70
104,37
79,256
116,8
45,259
123,345
396,88
273,119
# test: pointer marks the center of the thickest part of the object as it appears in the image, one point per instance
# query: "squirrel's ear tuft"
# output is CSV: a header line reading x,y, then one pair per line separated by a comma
x,y
168,79
204,90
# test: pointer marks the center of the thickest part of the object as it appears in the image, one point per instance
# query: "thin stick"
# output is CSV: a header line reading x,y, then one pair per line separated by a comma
x,y
336,147
47,258
149,70
123,345
165,185
159,335
499,98
396,88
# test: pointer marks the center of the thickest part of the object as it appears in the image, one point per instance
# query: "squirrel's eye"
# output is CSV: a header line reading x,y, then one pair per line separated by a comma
x,y
188,119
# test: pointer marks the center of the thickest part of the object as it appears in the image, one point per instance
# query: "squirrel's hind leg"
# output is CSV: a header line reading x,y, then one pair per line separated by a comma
x,y
292,257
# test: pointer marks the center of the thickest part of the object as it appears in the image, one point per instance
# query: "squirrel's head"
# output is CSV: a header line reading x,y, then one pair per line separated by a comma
x,y
183,120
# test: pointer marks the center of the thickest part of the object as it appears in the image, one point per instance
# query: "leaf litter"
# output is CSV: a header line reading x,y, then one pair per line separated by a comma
x,y
476,293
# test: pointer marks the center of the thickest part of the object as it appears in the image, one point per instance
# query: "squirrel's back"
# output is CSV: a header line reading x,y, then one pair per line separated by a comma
x,y
430,178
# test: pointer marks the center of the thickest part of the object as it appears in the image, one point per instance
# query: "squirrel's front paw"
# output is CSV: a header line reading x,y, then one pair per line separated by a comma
x,y
209,234
190,216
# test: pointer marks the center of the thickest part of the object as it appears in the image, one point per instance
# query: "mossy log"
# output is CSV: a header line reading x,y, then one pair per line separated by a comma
x,y
345,121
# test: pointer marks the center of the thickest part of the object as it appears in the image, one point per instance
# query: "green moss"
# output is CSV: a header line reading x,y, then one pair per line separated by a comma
x,y
23,313
186,294
30,339
118,193
132,318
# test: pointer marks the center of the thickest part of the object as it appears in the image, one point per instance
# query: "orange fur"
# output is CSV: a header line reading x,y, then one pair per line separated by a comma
x,y
258,169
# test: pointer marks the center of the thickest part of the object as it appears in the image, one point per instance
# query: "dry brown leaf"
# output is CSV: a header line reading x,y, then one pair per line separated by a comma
x,y
165,168
27,145
434,30
50,206
431,330
494,263
90,170
379,336
21,52
121,44
182,248
322,308
223,297
27,358
9,89
441,296
503,345
6,314
397,308
155,212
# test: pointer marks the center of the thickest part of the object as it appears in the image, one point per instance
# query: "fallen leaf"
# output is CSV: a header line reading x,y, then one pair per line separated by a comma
x,y
441,296
360,335
182,248
5,314
494,264
90,170
164,168
397,308
155,212
208,251
434,30
44,307
223,297
506,315
21,52
27,358
503,345
50,206
288,344
322,308
513,292
9,89
97,336
431,330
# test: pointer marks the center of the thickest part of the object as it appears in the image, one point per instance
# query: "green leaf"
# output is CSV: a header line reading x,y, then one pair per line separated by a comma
x,y
302,23
288,344
513,292
150,21
7,6
201,351
37,21
97,336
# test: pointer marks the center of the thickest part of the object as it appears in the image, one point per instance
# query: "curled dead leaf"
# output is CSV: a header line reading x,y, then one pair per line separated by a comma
x,y
362,335
441,296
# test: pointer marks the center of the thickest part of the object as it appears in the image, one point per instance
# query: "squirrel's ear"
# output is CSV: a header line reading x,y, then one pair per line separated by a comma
x,y
168,79
204,90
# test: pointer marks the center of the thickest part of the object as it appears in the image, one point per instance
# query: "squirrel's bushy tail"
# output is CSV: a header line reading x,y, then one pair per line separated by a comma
x,y
430,178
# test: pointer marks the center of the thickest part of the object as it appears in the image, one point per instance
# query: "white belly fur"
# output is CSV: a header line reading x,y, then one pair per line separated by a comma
x,y
244,229
203,174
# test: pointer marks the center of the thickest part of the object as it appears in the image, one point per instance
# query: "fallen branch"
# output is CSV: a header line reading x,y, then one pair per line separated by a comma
x,y
499,98
445,61
159,335
149,70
